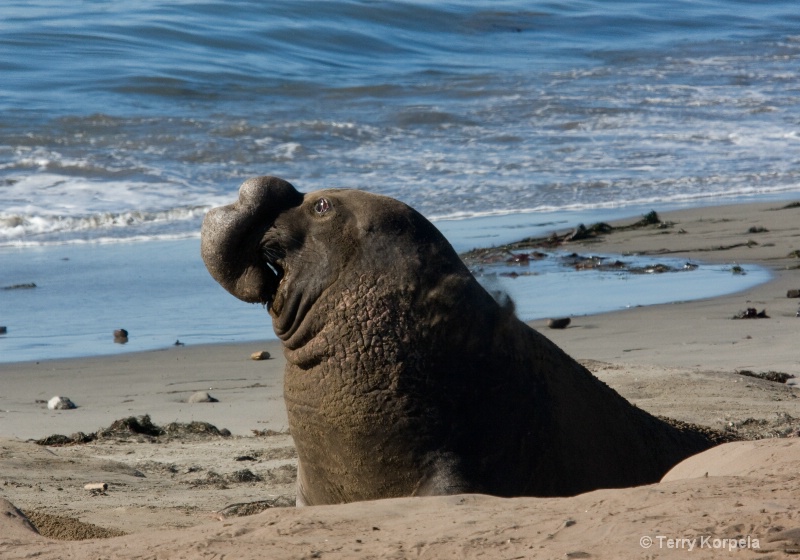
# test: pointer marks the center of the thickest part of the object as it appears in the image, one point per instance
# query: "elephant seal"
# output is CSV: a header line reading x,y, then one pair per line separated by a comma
x,y
404,376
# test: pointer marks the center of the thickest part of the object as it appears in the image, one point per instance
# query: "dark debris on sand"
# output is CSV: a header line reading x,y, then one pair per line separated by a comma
x,y
280,475
783,425
776,376
580,233
751,313
251,508
269,433
716,437
525,251
139,429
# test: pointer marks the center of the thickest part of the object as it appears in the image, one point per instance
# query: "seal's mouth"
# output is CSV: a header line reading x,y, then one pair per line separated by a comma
x,y
274,272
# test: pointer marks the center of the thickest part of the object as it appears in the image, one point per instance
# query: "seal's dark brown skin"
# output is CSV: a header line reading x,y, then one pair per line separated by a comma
x,y
404,376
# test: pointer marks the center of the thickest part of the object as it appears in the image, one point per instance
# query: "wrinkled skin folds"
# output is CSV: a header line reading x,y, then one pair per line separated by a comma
x,y
404,376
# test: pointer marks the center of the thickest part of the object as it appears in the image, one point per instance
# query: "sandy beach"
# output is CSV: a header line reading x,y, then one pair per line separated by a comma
x,y
209,484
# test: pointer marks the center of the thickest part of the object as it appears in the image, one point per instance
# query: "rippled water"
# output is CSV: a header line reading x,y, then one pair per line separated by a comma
x,y
127,121
123,120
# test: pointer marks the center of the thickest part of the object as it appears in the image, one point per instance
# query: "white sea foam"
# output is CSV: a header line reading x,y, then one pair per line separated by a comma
x,y
37,230
48,208
632,206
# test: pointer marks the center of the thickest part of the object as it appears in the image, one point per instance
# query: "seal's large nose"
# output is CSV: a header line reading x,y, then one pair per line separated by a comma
x,y
266,197
231,237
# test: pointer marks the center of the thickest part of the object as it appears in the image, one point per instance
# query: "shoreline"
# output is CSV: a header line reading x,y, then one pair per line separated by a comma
x,y
39,312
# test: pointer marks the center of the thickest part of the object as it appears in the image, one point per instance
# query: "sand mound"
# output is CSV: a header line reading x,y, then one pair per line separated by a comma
x,y
761,458
68,528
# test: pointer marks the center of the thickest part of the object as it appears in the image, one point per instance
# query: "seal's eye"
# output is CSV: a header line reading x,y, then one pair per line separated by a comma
x,y
322,206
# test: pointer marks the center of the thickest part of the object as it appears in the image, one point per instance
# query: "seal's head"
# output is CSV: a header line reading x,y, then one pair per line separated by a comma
x,y
293,251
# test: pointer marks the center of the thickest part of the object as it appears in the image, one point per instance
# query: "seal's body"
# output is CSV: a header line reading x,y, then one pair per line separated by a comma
x,y
404,376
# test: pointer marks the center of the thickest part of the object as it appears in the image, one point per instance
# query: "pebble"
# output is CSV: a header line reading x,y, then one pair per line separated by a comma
x,y
793,294
120,336
60,403
559,323
202,396
262,355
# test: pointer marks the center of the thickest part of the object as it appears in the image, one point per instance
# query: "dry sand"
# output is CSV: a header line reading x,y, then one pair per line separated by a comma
x,y
189,489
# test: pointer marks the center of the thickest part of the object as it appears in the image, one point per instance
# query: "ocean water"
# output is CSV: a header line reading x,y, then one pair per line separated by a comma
x,y
121,124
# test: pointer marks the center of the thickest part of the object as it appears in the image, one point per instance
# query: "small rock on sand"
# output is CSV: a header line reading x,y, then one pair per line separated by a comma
x,y
202,396
561,323
60,403
120,336
262,355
